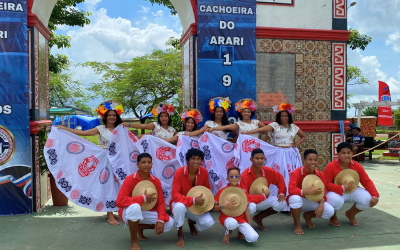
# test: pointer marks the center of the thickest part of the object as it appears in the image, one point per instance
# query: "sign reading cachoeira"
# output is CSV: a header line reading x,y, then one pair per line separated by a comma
x,y
15,153
226,51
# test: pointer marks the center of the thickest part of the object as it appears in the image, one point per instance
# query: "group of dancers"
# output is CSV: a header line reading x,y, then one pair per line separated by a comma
x,y
248,194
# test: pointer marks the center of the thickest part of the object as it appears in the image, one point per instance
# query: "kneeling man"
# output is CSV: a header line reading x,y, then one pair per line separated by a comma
x,y
307,193
272,204
142,191
342,178
185,178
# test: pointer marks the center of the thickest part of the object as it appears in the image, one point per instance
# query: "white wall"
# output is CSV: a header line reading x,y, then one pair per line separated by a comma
x,y
43,9
185,12
306,14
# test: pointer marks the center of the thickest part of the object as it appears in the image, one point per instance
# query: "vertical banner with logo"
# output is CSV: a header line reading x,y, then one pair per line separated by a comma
x,y
15,153
226,51
385,116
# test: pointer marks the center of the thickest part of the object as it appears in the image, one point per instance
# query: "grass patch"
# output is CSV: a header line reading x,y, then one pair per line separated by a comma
x,y
386,158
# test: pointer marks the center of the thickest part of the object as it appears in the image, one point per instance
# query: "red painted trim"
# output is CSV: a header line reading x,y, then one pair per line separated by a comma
x,y
194,7
279,4
286,33
302,34
37,126
319,126
34,21
192,31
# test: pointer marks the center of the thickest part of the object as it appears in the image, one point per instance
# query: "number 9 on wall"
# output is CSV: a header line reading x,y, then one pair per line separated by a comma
x,y
226,80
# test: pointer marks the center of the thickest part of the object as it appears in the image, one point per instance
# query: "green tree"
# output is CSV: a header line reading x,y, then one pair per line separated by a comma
x,y
396,118
166,3
64,91
143,82
65,12
370,111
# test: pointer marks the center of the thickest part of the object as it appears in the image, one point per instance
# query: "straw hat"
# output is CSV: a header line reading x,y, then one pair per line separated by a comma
x,y
151,189
350,176
237,194
207,196
258,185
308,181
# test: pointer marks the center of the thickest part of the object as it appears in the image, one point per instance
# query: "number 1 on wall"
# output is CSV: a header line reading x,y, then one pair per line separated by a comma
x,y
227,61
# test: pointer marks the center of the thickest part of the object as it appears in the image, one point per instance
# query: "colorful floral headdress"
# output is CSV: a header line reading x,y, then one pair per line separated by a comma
x,y
109,105
193,113
284,107
219,102
163,108
245,104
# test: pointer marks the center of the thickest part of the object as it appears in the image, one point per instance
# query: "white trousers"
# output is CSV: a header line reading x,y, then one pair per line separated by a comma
x,y
247,230
180,212
296,202
134,213
271,201
360,197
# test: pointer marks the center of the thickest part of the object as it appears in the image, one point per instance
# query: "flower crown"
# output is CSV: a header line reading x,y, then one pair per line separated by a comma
x,y
219,102
193,113
109,105
245,104
163,108
284,107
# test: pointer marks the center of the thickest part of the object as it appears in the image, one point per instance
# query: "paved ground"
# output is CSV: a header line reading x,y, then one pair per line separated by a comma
x,y
75,228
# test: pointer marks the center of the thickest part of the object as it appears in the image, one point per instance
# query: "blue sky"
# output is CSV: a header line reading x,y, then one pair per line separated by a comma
x,y
123,29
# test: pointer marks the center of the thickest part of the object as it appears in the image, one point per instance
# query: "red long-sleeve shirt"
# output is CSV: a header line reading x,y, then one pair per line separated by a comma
x,y
124,198
296,181
333,168
182,184
272,176
241,218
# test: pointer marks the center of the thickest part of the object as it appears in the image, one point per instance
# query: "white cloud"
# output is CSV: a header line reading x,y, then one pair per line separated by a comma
x,y
90,5
394,40
158,13
144,9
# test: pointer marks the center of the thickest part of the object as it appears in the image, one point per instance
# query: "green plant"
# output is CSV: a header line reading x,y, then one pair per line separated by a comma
x,y
42,160
176,119
396,118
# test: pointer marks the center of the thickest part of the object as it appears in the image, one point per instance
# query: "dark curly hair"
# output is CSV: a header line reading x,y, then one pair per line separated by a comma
x,y
169,119
309,151
224,119
118,120
194,152
186,120
343,145
278,118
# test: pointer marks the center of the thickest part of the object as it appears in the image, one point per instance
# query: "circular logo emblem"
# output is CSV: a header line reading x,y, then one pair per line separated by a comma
x,y
168,172
209,164
75,194
204,138
249,145
115,132
75,147
59,175
99,206
7,145
194,144
179,143
49,143
228,147
133,156
104,175
165,153
230,163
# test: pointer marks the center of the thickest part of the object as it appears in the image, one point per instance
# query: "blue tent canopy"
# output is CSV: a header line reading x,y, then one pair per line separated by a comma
x,y
85,121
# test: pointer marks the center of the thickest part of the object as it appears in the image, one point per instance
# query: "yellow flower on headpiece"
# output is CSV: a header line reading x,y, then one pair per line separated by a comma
x,y
119,107
225,105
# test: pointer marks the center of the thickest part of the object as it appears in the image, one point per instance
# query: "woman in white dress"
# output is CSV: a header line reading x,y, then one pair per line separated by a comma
x,y
110,112
283,131
190,120
246,109
218,108
162,128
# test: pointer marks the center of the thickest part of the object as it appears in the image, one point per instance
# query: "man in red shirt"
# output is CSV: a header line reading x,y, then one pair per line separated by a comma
x,y
299,203
184,179
272,204
363,198
242,222
130,207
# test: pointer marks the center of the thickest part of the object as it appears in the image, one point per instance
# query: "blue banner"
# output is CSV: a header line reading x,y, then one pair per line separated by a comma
x,y
15,152
226,52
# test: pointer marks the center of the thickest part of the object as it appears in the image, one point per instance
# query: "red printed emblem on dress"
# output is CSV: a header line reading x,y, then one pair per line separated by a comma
x,y
74,194
249,145
49,143
230,164
59,174
219,185
289,169
99,206
88,166
165,153
204,138
179,143
209,164
114,132
132,136
276,167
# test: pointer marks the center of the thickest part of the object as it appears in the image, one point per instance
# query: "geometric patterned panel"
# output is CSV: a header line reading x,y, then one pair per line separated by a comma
x,y
321,142
339,76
